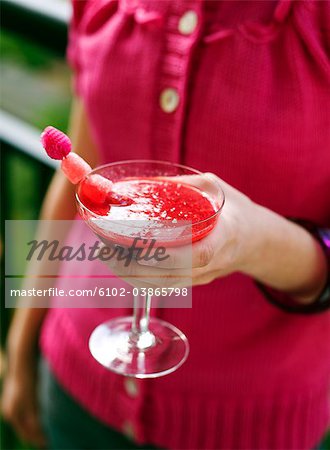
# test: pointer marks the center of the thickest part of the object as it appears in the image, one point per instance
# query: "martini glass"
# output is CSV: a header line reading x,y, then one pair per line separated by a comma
x,y
139,345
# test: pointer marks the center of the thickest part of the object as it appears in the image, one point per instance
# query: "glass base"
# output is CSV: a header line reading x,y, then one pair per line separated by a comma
x,y
151,354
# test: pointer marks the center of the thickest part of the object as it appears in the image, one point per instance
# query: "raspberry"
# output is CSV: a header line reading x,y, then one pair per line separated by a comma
x,y
56,143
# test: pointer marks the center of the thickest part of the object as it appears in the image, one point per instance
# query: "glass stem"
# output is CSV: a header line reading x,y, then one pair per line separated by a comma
x,y
140,337
141,314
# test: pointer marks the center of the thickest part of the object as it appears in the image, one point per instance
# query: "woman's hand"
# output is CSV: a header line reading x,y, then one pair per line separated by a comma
x,y
19,404
247,238
220,253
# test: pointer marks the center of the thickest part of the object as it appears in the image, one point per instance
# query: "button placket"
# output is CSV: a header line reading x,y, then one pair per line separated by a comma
x,y
132,402
181,26
188,22
169,100
128,430
131,387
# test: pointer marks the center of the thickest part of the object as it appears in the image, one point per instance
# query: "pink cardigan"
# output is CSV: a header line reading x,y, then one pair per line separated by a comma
x,y
251,103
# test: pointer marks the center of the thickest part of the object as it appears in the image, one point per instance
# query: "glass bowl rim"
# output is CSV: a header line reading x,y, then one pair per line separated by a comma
x,y
154,161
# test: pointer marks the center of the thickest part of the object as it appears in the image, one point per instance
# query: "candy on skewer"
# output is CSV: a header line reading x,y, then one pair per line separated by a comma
x,y
96,188
75,168
58,146
56,143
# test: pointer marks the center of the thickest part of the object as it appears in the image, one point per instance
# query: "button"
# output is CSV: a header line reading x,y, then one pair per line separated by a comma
x,y
131,387
128,430
188,22
169,100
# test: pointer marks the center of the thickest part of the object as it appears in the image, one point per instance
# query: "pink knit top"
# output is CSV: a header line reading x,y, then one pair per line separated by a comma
x,y
251,100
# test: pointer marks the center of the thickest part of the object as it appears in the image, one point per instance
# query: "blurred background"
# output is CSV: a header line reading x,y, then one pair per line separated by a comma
x,y
35,92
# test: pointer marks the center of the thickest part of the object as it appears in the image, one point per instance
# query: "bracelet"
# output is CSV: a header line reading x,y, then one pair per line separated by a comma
x,y
285,301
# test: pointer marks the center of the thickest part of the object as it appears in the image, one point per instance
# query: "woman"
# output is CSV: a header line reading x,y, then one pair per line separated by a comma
x,y
240,89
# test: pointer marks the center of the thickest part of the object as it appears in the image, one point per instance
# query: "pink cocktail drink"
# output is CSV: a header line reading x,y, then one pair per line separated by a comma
x,y
133,202
166,204
149,200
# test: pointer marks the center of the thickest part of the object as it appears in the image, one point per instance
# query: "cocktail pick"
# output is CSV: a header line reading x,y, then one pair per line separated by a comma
x,y
58,146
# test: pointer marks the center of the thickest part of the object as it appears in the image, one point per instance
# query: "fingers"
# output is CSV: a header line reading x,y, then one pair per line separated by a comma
x,y
145,276
34,430
197,255
164,271
18,408
139,275
27,426
189,257
194,256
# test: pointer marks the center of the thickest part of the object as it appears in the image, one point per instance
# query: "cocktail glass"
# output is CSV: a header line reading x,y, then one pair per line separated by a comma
x,y
142,346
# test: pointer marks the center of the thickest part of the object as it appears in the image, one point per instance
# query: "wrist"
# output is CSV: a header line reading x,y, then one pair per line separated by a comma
x,y
252,240
284,256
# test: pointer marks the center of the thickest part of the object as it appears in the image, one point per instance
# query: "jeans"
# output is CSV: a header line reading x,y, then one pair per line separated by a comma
x,y
68,426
